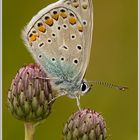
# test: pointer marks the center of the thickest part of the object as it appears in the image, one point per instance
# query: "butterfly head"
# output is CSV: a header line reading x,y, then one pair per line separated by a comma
x,y
78,89
85,87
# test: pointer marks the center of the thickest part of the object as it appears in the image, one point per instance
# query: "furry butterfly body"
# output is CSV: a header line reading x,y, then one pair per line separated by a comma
x,y
59,38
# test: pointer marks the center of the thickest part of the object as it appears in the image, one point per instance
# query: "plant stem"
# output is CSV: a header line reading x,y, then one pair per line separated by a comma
x,y
29,131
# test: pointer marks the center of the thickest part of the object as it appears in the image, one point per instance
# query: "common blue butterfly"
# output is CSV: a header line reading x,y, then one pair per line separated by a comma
x,y
60,37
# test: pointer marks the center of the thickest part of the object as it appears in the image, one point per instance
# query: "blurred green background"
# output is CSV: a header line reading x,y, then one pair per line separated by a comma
x,y
113,58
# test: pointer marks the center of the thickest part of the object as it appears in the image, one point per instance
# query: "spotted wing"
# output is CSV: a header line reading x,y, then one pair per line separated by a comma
x,y
57,39
84,8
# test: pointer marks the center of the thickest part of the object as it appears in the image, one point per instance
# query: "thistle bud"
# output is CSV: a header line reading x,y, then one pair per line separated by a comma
x,y
85,124
30,94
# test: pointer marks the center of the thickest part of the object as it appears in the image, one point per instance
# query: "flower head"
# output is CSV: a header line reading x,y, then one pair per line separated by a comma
x,y
30,94
85,124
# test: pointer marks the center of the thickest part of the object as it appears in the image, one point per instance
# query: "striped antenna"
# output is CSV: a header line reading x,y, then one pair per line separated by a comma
x,y
109,85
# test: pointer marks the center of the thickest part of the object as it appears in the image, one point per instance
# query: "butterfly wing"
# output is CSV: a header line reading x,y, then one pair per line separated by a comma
x,y
84,8
59,38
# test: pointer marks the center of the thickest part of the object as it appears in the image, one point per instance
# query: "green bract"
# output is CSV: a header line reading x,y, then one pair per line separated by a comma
x,y
30,94
85,124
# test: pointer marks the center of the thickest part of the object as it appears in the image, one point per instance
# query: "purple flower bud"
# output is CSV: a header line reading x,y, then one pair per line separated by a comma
x,y
30,94
85,124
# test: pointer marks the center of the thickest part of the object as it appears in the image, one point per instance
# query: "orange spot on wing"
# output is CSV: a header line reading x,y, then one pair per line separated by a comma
x,y
72,20
42,29
63,14
80,28
49,21
55,16
33,37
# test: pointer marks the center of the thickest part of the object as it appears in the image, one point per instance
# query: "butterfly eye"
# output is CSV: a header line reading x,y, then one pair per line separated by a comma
x,y
84,87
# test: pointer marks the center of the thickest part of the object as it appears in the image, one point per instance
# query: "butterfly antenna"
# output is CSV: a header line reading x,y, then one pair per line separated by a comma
x,y
109,85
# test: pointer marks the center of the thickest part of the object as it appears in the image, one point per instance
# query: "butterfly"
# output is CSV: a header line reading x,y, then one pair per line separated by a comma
x,y
59,38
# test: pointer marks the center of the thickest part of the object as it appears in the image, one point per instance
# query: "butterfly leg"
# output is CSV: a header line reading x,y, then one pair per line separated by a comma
x,y
59,95
78,101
